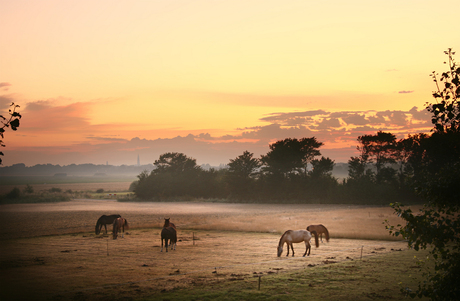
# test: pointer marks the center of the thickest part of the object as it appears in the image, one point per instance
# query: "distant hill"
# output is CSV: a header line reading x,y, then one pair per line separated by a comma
x,y
20,169
73,170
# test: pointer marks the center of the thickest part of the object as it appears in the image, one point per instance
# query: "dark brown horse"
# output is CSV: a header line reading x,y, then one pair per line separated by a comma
x,y
320,229
104,220
119,225
168,233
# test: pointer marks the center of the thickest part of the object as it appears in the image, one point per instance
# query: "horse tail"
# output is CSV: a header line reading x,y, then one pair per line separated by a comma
x,y
126,224
316,238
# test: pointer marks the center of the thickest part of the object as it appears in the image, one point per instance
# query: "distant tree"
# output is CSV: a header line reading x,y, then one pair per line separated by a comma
x,y
241,173
11,121
174,163
322,167
175,175
435,159
28,189
14,193
380,148
244,166
291,155
357,169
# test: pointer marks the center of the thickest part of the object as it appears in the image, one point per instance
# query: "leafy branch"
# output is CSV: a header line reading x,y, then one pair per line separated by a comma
x,y
12,121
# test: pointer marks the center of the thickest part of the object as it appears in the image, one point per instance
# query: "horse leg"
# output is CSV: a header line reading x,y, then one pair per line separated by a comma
x,y
105,228
123,231
321,236
287,249
161,245
307,248
292,247
166,244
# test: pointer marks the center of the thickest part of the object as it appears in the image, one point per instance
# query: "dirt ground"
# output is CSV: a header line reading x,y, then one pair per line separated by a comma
x,y
50,251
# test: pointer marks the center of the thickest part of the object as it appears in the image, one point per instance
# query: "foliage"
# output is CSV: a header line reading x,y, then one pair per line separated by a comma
x,y
435,160
15,196
28,189
322,167
279,176
446,110
12,121
290,155
176,175
379,148
241,174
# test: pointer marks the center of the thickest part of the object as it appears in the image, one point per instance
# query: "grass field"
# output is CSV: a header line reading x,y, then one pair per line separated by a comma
x,y
223,249
74,183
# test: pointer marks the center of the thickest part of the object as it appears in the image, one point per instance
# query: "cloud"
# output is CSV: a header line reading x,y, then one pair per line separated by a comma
x,y
74,139
5,86
5,102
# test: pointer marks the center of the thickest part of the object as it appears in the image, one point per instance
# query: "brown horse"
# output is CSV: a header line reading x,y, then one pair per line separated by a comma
x,y
104,220
320,229
168,233
290,236
119,225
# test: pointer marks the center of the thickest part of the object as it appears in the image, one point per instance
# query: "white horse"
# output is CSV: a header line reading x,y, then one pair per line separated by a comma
x,y
294,236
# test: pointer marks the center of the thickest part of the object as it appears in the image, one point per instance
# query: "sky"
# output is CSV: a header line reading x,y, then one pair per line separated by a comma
x,y
108,81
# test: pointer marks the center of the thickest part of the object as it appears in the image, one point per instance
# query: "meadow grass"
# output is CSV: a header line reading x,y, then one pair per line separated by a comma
x,y
384,277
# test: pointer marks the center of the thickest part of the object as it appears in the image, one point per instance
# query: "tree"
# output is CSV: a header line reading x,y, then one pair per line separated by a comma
x,y
380,148
322,167
357,168
241,173
446,110
291,155
244,166
436,162
174,163
175,175
12,121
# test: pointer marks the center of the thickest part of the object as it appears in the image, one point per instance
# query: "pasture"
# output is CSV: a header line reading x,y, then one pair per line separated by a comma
x,y
50,251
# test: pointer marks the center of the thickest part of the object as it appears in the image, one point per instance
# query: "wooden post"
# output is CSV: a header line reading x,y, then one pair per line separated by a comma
x,y
361,252
258,287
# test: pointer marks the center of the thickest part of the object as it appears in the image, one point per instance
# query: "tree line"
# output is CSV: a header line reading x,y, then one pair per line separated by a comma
x,y
295,171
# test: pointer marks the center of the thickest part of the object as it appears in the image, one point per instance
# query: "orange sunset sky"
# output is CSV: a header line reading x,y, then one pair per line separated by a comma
x,y
108,81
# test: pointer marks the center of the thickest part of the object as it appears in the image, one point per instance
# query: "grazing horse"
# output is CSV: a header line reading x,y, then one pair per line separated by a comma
x,y
104,220
294,236
119,224
320,229
168,233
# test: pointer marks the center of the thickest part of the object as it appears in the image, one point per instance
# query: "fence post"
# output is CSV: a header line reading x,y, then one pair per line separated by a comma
x,y
258,287
361,252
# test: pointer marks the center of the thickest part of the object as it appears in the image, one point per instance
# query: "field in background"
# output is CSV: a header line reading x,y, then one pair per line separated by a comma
x,y
78,184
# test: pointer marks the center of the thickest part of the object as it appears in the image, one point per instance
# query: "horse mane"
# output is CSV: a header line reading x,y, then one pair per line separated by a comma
x,y
282,236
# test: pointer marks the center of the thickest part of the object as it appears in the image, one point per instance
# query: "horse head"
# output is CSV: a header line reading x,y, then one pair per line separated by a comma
x,y
280,250
166,222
